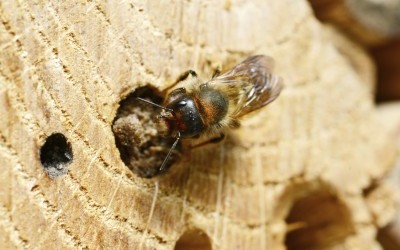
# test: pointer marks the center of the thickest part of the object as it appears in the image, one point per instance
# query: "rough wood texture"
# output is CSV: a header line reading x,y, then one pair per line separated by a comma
x,y
375,25
301,165
370,22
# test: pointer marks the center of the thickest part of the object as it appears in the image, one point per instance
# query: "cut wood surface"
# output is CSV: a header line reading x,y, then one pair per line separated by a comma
x,y
303,173
370,22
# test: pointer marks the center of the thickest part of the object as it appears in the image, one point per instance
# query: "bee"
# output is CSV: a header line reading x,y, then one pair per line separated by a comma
x,y
212,107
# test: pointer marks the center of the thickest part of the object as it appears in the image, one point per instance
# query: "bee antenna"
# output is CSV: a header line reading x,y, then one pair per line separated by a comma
x,y
178,137
154,104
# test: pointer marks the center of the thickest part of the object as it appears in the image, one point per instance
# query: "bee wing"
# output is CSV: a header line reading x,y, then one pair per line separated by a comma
x,y
250,84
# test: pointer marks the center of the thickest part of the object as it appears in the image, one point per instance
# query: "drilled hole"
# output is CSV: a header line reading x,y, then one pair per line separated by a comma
x,y
389,236
137,137
56,155
318,221
194,239
387,59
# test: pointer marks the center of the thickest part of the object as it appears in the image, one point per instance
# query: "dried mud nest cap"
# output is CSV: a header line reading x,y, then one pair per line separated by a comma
x,y
140,137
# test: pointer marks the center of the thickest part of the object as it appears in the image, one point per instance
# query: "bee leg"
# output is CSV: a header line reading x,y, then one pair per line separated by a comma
x,y
182,77
178,137
212,140
217,72
185,75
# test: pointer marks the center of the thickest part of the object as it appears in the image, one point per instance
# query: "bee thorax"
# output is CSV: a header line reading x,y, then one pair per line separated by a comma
x,y
213,105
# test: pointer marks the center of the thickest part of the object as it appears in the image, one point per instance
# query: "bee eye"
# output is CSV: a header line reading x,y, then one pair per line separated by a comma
x,y
182,103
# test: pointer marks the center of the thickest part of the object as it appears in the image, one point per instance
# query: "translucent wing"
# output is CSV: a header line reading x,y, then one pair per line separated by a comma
x,y
250,84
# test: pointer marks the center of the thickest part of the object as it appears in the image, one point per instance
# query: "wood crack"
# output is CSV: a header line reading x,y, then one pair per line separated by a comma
x,y
12,230
47,44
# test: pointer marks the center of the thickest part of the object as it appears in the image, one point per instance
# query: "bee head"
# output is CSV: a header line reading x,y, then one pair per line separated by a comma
x,y
184,116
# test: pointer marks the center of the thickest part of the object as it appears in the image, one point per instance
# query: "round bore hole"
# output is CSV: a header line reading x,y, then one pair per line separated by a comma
x,y
56,155
318,221
137,134
194,239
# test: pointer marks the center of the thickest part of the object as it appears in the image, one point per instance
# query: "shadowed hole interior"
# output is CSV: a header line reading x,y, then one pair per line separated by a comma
x,y
389,236
56,155
194,239
317,221
137,137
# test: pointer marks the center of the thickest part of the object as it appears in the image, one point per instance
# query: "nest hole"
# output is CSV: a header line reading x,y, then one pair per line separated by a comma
x,y
318,221
55,155
388,237
137,137
194,239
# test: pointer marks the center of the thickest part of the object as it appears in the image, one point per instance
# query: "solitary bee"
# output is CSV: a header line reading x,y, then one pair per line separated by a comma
x,y
212,107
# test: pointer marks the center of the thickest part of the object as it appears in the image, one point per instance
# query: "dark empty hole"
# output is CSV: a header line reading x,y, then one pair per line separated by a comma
x,y
56,155
137,136
387,59
318,221
193,239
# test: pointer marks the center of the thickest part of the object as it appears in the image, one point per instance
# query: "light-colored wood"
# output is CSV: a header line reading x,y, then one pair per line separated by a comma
x,y
369,22
66,65
375,25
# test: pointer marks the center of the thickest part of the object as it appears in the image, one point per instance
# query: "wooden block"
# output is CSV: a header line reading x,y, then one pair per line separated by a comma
x,y
66,66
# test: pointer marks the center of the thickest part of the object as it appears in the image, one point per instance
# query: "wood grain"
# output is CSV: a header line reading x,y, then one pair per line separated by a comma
x,y
66,65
